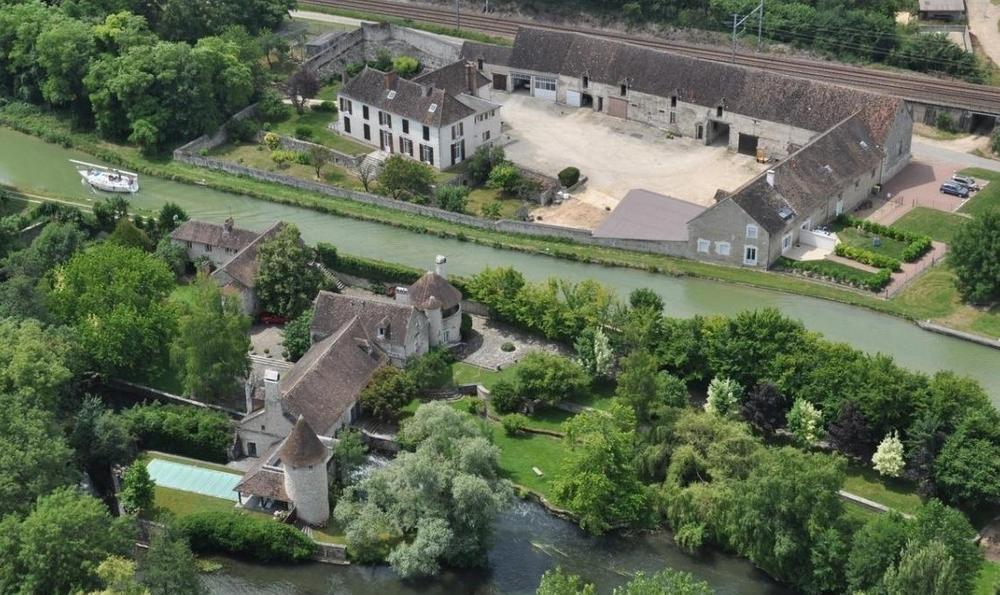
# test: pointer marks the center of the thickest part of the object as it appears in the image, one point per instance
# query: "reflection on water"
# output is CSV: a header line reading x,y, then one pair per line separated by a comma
x,y
528,542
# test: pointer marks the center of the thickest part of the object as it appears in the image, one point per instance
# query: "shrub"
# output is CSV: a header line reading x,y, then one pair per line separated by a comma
x,y
283,157
507,346
888,458
272,141
354,69
945,122
867,257
569,176
514,424
505,397
840,274
138,490
303,132
504,176
242,130
271,107
182,430
405,65
451,198
242,534
303,158
465,330
326,106
327,254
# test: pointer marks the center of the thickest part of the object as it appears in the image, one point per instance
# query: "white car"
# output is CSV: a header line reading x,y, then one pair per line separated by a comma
x,y
965,181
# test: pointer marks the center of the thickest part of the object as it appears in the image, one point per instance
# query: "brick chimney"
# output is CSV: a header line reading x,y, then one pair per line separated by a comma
x,y
770,178
390,80
227,225
471,74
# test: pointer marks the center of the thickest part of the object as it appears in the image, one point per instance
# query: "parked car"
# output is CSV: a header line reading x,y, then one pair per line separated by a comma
x,y
268,318
965,181
955,189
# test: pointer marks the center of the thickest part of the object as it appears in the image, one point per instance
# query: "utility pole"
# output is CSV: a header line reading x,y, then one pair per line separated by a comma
x,y
458,16
738,22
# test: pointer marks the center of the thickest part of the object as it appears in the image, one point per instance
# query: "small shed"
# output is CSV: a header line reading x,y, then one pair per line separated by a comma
x,y
942,10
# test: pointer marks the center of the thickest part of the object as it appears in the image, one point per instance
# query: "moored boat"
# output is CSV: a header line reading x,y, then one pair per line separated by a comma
x,y
107,179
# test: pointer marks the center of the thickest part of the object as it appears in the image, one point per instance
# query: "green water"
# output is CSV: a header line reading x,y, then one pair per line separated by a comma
x,y
27,161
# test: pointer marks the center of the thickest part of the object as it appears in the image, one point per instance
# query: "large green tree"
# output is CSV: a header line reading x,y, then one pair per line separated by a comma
x,y
875,547
54,245
406,179
550,378
287,282
213,342
169,567
967,470
388,391
975,256
115,299
36,363
34,457
644,386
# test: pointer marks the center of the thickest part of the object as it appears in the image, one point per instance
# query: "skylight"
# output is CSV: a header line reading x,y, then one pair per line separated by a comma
x,y
785,213
433,108
392,94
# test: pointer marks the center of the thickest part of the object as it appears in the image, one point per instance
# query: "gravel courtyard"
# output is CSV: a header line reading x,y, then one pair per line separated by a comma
x,y
616,156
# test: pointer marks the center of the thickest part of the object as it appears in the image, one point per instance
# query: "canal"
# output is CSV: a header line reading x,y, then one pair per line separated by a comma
x,y
26,161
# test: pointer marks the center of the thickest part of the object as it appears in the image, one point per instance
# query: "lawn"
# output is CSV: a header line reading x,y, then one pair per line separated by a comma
x,y
518,454
463,373
328,92
933,296
988,580
938,225
183,294
894,493
332,533
988,198
257,157
480,197
316,121
861,239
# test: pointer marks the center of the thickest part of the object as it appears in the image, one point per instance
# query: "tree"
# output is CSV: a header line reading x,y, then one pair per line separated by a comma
x,y
297,336
127,235
927,569
550,378
665,581
64,51
212,344
937,522
557,582
34,457
302,86
598,479
348,456
975,258
117,575
54,245
647,388
967,470
643,298
851,434
888,458
271,107
433,505
101,438
388,391
42,560
765,408
138,490
876,546
723,396
482,162
173,255
273,45
169,566
804,422
115,299
430,370
318,158
405,179
593,351
745,347
286,282
451,198
36,363
20,298
405,66
498,289
367,172
170,217
505,177
505,396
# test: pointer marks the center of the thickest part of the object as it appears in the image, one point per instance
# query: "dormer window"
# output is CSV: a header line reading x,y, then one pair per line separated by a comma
x,y
479,63
586,81
381,332
718,112
623,89
433,108
673,101
391,95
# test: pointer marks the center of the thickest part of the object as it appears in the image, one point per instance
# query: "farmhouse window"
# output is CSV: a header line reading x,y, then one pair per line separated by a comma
x,y
704,245
347,125
722,248
751,232
427,154
427,133
364,112
750,255
406,126
368,132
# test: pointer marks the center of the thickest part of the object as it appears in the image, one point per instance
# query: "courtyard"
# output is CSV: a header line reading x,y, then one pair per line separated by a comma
x,y
615,155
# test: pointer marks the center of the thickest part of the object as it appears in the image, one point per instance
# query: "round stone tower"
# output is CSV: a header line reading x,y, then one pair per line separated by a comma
x,y
304,459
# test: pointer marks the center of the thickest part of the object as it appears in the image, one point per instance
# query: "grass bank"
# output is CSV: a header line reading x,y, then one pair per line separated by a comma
x,y
937,225
52,128
987,199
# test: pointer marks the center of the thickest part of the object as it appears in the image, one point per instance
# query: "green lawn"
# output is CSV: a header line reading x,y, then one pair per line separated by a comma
x,y
316,121
988,580
933,296
328,92
856,512
938,225
986,199
258,157
332,533
480,197
861,239
463,373
184,293
519,454
894,493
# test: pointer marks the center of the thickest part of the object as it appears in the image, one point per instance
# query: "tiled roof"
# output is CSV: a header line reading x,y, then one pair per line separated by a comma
x,y
328,379
755,93
432,285
302,447
265,483
806,179
331,311
488,52
243,267
203,232
453,78
421,103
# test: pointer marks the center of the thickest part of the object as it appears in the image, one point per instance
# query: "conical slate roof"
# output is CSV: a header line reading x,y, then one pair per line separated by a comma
x,y
433,285
302,447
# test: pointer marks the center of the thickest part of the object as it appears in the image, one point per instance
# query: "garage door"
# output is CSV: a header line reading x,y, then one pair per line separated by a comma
x,y
573,98
617,107
500,82
545,88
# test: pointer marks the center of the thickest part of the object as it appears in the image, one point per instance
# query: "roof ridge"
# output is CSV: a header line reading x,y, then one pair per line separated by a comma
x,y
333,339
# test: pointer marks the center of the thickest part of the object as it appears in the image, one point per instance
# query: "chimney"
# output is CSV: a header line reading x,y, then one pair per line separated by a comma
x,y
770,178
441,266
403,295
470,78
272,391
390,80
227,225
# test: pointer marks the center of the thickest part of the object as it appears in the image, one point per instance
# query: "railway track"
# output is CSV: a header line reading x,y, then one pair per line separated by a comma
x,y
920,88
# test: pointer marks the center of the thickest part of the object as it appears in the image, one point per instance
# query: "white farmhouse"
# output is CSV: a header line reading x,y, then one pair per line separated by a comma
x,y
439,118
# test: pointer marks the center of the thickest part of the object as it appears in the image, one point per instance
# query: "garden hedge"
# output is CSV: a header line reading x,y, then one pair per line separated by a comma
x,y
868,257
917,245
238,533
182,430
821,269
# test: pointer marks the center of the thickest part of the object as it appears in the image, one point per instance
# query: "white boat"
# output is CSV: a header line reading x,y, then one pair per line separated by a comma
x,y
107,179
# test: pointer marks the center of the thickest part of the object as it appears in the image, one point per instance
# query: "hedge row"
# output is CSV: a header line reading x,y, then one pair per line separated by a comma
x,y
867,257
182,430
917,245
840,274
241,534
378,271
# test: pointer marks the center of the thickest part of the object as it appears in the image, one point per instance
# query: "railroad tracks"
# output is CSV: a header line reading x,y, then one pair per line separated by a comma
x,y
913,87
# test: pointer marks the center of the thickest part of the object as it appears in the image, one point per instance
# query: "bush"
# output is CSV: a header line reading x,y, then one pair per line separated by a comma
x,y
272,141
840,274
303,158
505,176
284,157
271,107
327,255
465,330
405,65
326,106
242,130
242,534
505,397
867,257
945,122
514,424
182,430
569,176
507,346
451,198
917,246
303,132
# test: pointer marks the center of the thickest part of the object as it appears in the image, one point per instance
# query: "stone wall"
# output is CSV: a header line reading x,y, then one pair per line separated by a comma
x,y
220,136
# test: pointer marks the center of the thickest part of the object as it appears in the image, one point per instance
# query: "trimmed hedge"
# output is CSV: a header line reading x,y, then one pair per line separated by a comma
x,y
374,270
241,534
867,257
839,273
917,245
182,430
569,176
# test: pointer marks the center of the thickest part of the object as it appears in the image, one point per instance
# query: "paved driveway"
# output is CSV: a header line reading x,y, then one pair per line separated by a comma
x,y
917,185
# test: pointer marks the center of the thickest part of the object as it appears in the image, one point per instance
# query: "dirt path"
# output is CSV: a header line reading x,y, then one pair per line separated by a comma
x,y
983,17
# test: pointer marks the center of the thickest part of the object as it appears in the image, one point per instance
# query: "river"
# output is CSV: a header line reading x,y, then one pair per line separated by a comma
x,y
26,161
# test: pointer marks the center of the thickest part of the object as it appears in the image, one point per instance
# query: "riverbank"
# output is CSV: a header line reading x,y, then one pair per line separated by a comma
x,y
908,304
